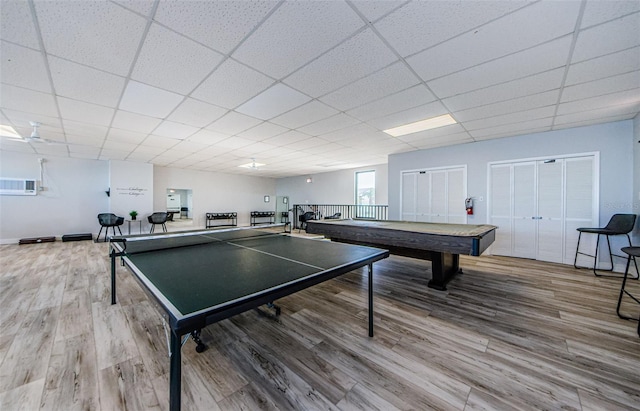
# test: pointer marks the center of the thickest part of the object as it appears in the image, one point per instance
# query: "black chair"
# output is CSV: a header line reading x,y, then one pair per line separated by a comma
x,y
620,224
158,219
632,253
309,215
109,220
184,212
335,216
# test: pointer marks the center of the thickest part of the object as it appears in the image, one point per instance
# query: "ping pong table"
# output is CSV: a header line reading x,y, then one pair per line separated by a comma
x,y
200,277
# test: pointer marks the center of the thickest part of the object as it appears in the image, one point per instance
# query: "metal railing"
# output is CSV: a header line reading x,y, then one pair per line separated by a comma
x,y
372,212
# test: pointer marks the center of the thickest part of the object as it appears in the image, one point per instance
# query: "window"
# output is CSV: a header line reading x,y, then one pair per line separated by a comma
x,y
365,187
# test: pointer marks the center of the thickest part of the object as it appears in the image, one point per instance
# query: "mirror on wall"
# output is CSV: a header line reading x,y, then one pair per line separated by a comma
x,y
180,207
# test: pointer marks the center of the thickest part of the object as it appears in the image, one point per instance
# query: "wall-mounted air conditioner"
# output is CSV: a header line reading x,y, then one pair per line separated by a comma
x,y
18,187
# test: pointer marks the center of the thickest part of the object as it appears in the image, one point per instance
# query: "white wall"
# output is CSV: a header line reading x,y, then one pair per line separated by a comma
x,y
131,186
74,195
215,192
337,187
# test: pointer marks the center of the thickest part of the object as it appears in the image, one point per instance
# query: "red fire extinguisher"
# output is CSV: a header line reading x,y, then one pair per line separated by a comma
x,y
468,203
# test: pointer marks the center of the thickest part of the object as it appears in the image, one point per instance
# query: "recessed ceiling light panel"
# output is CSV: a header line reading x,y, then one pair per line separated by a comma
x,y
421,125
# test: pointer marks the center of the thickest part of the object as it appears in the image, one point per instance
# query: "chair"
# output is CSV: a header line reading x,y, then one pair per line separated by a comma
x,y
109,220
620,224
309,215
335,216
632,253
159,218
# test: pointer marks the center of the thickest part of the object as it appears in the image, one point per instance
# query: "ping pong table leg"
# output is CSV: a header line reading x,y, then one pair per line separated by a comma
x,y
370,299
113,278
175,373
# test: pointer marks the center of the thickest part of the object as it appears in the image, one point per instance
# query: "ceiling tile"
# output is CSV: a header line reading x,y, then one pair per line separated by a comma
x,y
217,24
23,67
189,146
85,83
513,129
604,114
150,149
290,137
16,24
234,142
118,145
373,10
174,130
440,141
135,122
85,112
21,119
412,97
142,7
509,106
605,66
534,84
159,141
525,63
296,33
84,32
622,82
328,125
356,58
421,24
525,28
273,102
423,137
207,137
126,136
233,123
305,114
20,99
512,118
150,101
82,129
196,113
113,154
231,84
597,12
262,131
387,81
613,99
607,38
165,53
411,115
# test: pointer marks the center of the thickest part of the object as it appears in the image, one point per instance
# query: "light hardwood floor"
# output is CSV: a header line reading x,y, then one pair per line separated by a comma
x,y
508,334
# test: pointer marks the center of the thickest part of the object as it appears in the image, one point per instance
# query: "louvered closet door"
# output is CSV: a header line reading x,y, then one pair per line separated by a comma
x,y
409,196
549,214
524,210
423,197
580,211
456,211
438,197
500,208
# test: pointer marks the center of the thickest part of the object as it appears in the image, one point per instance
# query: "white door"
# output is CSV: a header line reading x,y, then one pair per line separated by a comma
x,y
435,195
537,206
408,196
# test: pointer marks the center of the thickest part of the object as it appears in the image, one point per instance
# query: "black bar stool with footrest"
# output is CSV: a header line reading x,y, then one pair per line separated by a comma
x,y
633,253
620,224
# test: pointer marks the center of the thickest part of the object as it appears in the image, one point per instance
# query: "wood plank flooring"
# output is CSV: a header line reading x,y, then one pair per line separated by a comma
x,y
508,334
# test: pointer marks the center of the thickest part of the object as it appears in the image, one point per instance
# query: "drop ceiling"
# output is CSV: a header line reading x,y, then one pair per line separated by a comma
x,y
306,86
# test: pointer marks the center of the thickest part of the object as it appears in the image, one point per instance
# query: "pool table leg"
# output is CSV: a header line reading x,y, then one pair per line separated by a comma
x,y
444,267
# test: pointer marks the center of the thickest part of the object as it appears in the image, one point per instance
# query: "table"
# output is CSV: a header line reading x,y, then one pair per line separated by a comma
x,y
201,277
439,243
134,221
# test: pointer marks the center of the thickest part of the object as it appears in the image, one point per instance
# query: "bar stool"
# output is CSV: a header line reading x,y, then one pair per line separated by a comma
x,y
633,253
619,224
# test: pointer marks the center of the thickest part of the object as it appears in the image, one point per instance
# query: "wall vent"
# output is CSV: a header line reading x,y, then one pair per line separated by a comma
x,y
18,187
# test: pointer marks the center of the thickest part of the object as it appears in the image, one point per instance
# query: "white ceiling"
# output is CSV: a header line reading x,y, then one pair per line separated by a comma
x,y
307,86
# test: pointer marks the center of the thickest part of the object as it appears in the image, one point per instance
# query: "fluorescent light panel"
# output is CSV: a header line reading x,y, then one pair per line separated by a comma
x,y
252,165
421,125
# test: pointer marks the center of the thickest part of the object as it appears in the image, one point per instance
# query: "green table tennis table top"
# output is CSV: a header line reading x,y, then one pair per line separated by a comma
x,y
195,272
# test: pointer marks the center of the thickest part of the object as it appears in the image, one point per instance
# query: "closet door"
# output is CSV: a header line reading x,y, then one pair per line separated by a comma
x,y
423,197
438,197
524,210
500,207
456,211
580,210
409,196
550,213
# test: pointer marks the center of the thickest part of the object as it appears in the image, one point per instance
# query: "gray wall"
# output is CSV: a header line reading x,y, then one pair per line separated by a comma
x,y
614,142
636,178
